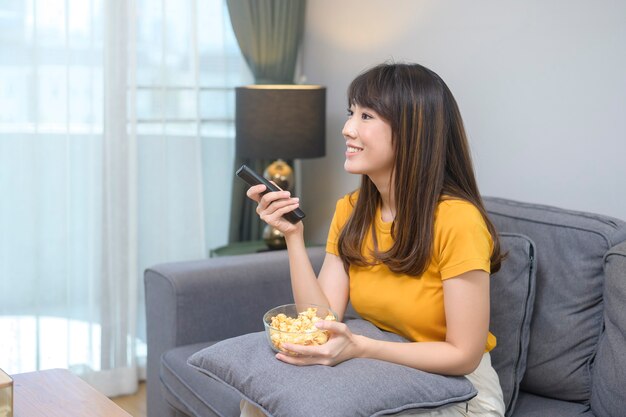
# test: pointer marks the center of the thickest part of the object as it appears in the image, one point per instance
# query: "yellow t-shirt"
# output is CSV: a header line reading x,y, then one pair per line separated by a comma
x,y
406,305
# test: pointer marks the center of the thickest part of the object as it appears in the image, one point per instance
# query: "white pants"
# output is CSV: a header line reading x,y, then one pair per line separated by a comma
x,y
488,402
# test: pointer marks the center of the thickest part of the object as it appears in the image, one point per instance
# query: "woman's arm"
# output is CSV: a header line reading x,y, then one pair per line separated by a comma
x,y
466,303
332,288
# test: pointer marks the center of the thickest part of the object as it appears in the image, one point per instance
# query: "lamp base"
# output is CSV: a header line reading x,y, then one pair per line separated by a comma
x,y
274,238
281,173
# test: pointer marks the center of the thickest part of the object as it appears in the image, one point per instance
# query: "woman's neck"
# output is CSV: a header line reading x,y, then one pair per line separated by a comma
x,y
388,203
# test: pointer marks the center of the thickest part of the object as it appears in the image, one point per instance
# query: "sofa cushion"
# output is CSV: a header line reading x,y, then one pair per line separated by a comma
x,y
188,391
567,318
512,296
609,369
365,387
529,405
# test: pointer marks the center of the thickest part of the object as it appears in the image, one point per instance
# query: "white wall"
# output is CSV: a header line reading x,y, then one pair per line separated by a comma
x,y
541,86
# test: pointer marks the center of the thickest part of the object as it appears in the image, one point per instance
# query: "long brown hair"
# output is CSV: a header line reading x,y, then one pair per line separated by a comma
x,y
432,160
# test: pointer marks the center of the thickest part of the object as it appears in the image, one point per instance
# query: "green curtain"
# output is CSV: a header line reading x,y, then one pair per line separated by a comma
x,y
269,34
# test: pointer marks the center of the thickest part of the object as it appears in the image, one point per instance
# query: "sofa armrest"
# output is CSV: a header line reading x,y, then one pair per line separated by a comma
x,y
211,300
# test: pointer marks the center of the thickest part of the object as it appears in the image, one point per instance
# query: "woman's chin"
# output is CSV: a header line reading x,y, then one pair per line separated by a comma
x,y
350,168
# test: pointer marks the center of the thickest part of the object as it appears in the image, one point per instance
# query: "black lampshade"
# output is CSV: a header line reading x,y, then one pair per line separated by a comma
x,y
280,121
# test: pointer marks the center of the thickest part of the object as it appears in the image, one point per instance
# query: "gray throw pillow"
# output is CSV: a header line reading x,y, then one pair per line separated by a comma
x,y
357,387
512,299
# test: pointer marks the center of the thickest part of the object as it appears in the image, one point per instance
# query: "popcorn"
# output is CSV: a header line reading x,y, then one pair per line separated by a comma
x,y
301,330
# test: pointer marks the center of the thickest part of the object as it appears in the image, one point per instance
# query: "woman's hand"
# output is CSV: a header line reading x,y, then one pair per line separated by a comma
x,y
273,205
341,346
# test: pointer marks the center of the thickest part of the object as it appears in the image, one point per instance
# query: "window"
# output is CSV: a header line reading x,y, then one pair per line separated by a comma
x,y
183,65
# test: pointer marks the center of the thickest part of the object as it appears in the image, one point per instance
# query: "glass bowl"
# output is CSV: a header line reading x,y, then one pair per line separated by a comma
x,y
294,323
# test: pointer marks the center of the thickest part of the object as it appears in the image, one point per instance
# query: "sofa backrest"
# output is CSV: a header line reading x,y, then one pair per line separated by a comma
x,y
567,320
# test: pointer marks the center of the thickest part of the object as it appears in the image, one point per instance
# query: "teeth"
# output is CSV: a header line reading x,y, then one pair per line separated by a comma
x,y
351,149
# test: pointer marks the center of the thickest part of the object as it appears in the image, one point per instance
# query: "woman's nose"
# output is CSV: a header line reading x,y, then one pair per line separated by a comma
x,y
348,129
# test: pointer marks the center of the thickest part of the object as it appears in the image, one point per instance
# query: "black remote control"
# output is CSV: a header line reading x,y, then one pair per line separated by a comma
x,y
252,178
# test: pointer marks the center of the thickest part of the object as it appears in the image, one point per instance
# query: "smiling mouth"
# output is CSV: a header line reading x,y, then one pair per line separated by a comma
x,y
354,150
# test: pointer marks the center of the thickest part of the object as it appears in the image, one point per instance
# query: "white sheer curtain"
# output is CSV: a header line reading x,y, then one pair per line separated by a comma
x,y
116,150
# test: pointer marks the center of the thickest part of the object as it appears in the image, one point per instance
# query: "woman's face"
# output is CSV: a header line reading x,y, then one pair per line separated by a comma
x,y
368,141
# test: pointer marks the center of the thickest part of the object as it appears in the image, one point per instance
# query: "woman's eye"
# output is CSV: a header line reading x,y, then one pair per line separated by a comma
x,y
365,116
349,113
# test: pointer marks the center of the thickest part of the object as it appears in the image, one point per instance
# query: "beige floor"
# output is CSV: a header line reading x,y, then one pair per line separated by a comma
x,y
135,404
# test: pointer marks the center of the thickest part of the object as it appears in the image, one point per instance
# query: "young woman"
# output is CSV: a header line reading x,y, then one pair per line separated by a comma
x,y
412,248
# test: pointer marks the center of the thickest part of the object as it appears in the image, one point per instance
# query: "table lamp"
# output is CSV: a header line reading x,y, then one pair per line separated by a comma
x,y
281,123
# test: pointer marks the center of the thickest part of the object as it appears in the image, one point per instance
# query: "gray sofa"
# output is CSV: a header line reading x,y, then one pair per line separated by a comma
x,y
568,358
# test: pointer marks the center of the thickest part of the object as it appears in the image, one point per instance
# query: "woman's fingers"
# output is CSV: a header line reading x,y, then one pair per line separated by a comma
x,y
302,351
304,355
273,205
294,360
269,198
255,191
275,217
277,205
272,202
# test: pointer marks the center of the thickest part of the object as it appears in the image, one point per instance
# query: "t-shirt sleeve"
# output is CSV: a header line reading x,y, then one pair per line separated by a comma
x,y
342,212
463,242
